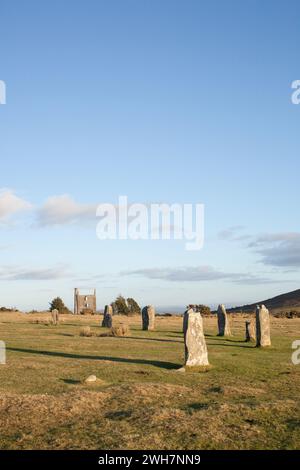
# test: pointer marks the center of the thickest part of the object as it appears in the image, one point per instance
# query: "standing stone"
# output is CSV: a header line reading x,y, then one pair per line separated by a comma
x,y
194,340
2,352
55,316
148,317
107,317
250,331
263,338
189,308
184,317
223,322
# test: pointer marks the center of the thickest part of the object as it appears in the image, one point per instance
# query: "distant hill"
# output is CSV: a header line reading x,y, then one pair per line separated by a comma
x,y
288,301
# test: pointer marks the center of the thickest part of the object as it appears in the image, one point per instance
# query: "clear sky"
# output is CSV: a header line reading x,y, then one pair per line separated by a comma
x,y
162,101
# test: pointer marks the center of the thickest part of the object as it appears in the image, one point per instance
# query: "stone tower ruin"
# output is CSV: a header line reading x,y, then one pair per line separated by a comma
x,y
84,304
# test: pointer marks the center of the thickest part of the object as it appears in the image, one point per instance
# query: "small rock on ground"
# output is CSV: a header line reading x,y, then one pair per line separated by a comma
x,y
90,379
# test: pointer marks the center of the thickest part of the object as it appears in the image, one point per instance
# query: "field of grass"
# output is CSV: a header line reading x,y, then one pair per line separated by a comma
x,y
249,399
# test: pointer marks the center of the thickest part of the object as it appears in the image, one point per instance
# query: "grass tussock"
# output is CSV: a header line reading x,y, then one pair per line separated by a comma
x,y
121,330
86,331
116,331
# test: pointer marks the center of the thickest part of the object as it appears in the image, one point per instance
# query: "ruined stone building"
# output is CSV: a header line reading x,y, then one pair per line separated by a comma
x,y
84,304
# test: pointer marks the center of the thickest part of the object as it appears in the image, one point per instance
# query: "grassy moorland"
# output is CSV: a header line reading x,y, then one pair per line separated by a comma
x,y
249,399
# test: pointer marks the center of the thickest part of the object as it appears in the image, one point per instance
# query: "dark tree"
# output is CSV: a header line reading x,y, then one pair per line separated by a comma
x,y
120,306
204,310
134,308
58,304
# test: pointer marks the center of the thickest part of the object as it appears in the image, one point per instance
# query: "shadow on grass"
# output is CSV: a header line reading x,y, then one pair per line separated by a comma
x,y
192,407
237,345
118,415
293,424
179,337
233,340
224,338
71,381
150,339
166,333
79,325
161,364
66,334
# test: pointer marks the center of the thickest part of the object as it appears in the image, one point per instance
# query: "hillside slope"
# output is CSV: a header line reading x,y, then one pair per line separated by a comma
x,y
288,301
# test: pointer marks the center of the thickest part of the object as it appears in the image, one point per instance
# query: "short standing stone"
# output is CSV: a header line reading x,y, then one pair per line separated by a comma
x,y
263,338
194,340
148,317
107,317
91,379
250,331
223,322
55,316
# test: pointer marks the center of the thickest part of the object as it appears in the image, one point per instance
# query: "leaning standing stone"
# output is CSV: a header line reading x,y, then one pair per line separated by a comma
x,y
263,338
107,317
194,340
223,322
148,317
250,331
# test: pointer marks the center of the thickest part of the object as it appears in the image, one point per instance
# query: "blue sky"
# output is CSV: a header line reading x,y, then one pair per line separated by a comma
x,y
162,101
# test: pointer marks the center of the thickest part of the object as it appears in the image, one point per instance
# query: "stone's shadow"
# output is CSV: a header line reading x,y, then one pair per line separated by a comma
x,y
166,333
231,340
161,364
232,345
81,324
175,335
71,381
175,332
150,339
223,338
66,334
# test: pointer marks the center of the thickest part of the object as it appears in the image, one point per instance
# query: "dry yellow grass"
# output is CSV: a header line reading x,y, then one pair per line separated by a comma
x,y
248,399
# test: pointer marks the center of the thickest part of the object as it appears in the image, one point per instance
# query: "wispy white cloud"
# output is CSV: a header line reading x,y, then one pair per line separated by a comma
x,y
278,249
233,233
281,249
198,274
19,273
64,210
10,204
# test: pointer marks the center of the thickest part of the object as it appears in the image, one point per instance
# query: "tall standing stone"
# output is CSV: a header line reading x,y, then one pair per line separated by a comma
x,y
194,340
250,331
263,338
107,317
148,317
223,322
55,316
